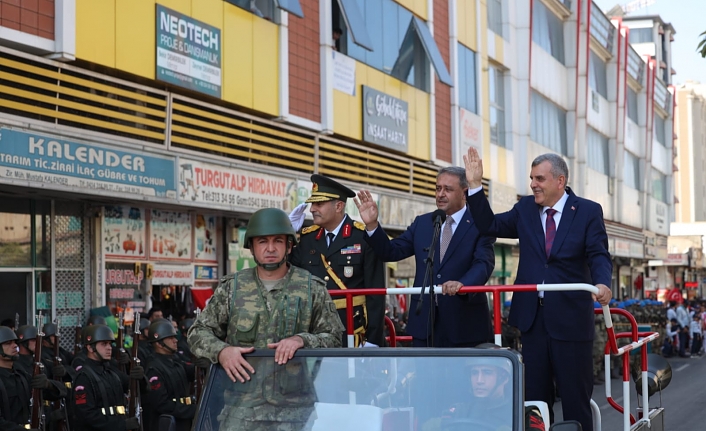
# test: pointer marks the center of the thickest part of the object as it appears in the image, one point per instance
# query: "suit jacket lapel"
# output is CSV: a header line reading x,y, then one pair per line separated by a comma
x,y
567,217
536,221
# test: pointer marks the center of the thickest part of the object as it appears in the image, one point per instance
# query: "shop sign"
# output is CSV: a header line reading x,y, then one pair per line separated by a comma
x,y
385,120
400,213
123,286
124,229
172,275
470,132
676,259
188,52
227,188
170,235
502,197
89,168
205,272
205,238
658,219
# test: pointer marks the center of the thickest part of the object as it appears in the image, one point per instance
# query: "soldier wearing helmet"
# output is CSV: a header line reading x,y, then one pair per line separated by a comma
x,y
335,249
169,380
62,371
27,342
16,385
280,307
99,390
182,343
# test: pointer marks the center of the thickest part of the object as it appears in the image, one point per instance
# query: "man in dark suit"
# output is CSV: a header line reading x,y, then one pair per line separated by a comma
x,y
468,260
562,240
335,250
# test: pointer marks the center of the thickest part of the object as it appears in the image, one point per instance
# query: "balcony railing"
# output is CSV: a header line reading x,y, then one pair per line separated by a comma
x,y
601,28
636,65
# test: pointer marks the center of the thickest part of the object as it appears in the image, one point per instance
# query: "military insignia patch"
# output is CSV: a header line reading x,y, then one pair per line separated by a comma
x,y
314,187
359,225
310,229
348,271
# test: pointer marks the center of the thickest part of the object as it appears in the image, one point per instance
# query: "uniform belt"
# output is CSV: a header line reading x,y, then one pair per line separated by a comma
x,y
47,403
112,411
341,302
185,400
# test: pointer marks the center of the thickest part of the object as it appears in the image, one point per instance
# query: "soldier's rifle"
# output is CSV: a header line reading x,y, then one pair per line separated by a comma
x,y
78,345
135,403
37,418
121,339
63,424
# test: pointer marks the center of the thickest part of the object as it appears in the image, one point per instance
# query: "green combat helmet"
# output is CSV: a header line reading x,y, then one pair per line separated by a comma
x,y
97,333
266,222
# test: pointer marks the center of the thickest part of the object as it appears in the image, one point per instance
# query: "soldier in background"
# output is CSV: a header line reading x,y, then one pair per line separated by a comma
x,y
335,249
169,381
276,306
599,342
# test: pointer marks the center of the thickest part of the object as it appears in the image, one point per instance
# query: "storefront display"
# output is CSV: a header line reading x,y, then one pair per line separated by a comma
x,y
124,229
170,235
124,287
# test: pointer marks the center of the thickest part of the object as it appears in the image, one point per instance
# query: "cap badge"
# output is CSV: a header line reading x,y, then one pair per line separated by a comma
x,y
314,187
88,338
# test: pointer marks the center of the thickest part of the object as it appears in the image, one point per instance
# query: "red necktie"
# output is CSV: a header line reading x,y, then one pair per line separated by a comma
x,y
551,230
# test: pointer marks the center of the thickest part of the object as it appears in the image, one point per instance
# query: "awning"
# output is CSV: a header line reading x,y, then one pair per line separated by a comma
x,y
291,6
417,28
355,23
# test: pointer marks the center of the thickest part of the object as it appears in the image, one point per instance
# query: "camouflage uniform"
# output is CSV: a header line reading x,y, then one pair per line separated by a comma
x,y
599,348
243,313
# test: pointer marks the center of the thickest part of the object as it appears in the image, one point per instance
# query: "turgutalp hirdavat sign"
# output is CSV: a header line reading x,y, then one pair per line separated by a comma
x,y
385,120
188,52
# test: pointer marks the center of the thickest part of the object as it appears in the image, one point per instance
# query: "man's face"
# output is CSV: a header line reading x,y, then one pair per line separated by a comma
x,y
450,197
10,348
484,380
156,315
30,345
270,249
104,349
546,188
171,342
327,214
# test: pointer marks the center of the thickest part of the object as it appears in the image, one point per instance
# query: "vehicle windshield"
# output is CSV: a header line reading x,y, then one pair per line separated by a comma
x,y
369,389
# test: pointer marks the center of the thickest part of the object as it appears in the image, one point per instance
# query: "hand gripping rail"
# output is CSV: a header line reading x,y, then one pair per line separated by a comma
x,y
639,339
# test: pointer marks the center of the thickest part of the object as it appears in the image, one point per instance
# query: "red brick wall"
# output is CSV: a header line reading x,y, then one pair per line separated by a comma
x,y
304,63
29,16
443,91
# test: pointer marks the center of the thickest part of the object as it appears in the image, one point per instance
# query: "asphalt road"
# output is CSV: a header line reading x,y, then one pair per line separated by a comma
x,y
683,399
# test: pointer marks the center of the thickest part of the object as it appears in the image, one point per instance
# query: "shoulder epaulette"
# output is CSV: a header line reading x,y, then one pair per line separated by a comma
x,y
359,225
312,228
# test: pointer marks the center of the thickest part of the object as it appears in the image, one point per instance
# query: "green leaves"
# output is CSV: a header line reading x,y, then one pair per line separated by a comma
x,y
702,45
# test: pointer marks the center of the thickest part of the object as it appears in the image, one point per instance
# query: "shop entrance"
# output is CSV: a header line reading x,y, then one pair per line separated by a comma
x,y
14,290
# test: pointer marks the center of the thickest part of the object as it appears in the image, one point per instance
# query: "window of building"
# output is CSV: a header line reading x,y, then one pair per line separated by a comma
x,y
348,20
467,79
263,8
548,30
548,124
597,75
402,46
659,130
495,16
631,171
641,35
659,186
598,159
632,105
496,86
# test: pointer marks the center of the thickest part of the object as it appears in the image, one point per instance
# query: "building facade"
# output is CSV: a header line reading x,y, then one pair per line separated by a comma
x,y
137,137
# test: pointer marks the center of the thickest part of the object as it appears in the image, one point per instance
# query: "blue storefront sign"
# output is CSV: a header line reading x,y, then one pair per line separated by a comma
x,y
91,168
205,272
188,52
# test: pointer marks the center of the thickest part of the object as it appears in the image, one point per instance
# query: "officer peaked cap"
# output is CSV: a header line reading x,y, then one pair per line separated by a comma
x,y
325,189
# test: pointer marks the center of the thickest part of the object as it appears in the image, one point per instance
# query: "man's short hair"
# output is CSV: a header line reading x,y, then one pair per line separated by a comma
x,y
10,323
153,310
457,172
558,163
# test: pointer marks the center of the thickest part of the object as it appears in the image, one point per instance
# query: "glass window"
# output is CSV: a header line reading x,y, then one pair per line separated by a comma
x,y
262,8
467,79
632,105
597,75
631,173
497,105
548,30
15,232
659,186
659,129
347,16
598,152
641,35
402,46
495,16
548,124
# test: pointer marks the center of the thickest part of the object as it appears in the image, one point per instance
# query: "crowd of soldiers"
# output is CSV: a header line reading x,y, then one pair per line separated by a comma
x,y
91,388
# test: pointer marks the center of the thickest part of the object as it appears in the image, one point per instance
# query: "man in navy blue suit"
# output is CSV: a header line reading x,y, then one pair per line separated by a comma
x,y
462,258
562,240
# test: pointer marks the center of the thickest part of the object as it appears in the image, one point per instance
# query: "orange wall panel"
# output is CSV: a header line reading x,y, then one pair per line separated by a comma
x,y
305,63
28,16
442,91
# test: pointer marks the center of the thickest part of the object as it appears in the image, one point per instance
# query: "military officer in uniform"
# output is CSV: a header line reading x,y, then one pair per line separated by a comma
x,y
272,306
99,390
168,379
335,249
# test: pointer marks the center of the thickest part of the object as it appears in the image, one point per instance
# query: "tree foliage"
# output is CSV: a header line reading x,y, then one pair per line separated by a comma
x,y
702,45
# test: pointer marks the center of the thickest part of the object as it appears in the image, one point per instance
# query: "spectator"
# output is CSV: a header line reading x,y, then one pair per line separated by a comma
x,y
685,323
696,336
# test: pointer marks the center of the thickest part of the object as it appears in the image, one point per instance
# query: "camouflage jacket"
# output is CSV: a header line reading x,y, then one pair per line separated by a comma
x,y
243,313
